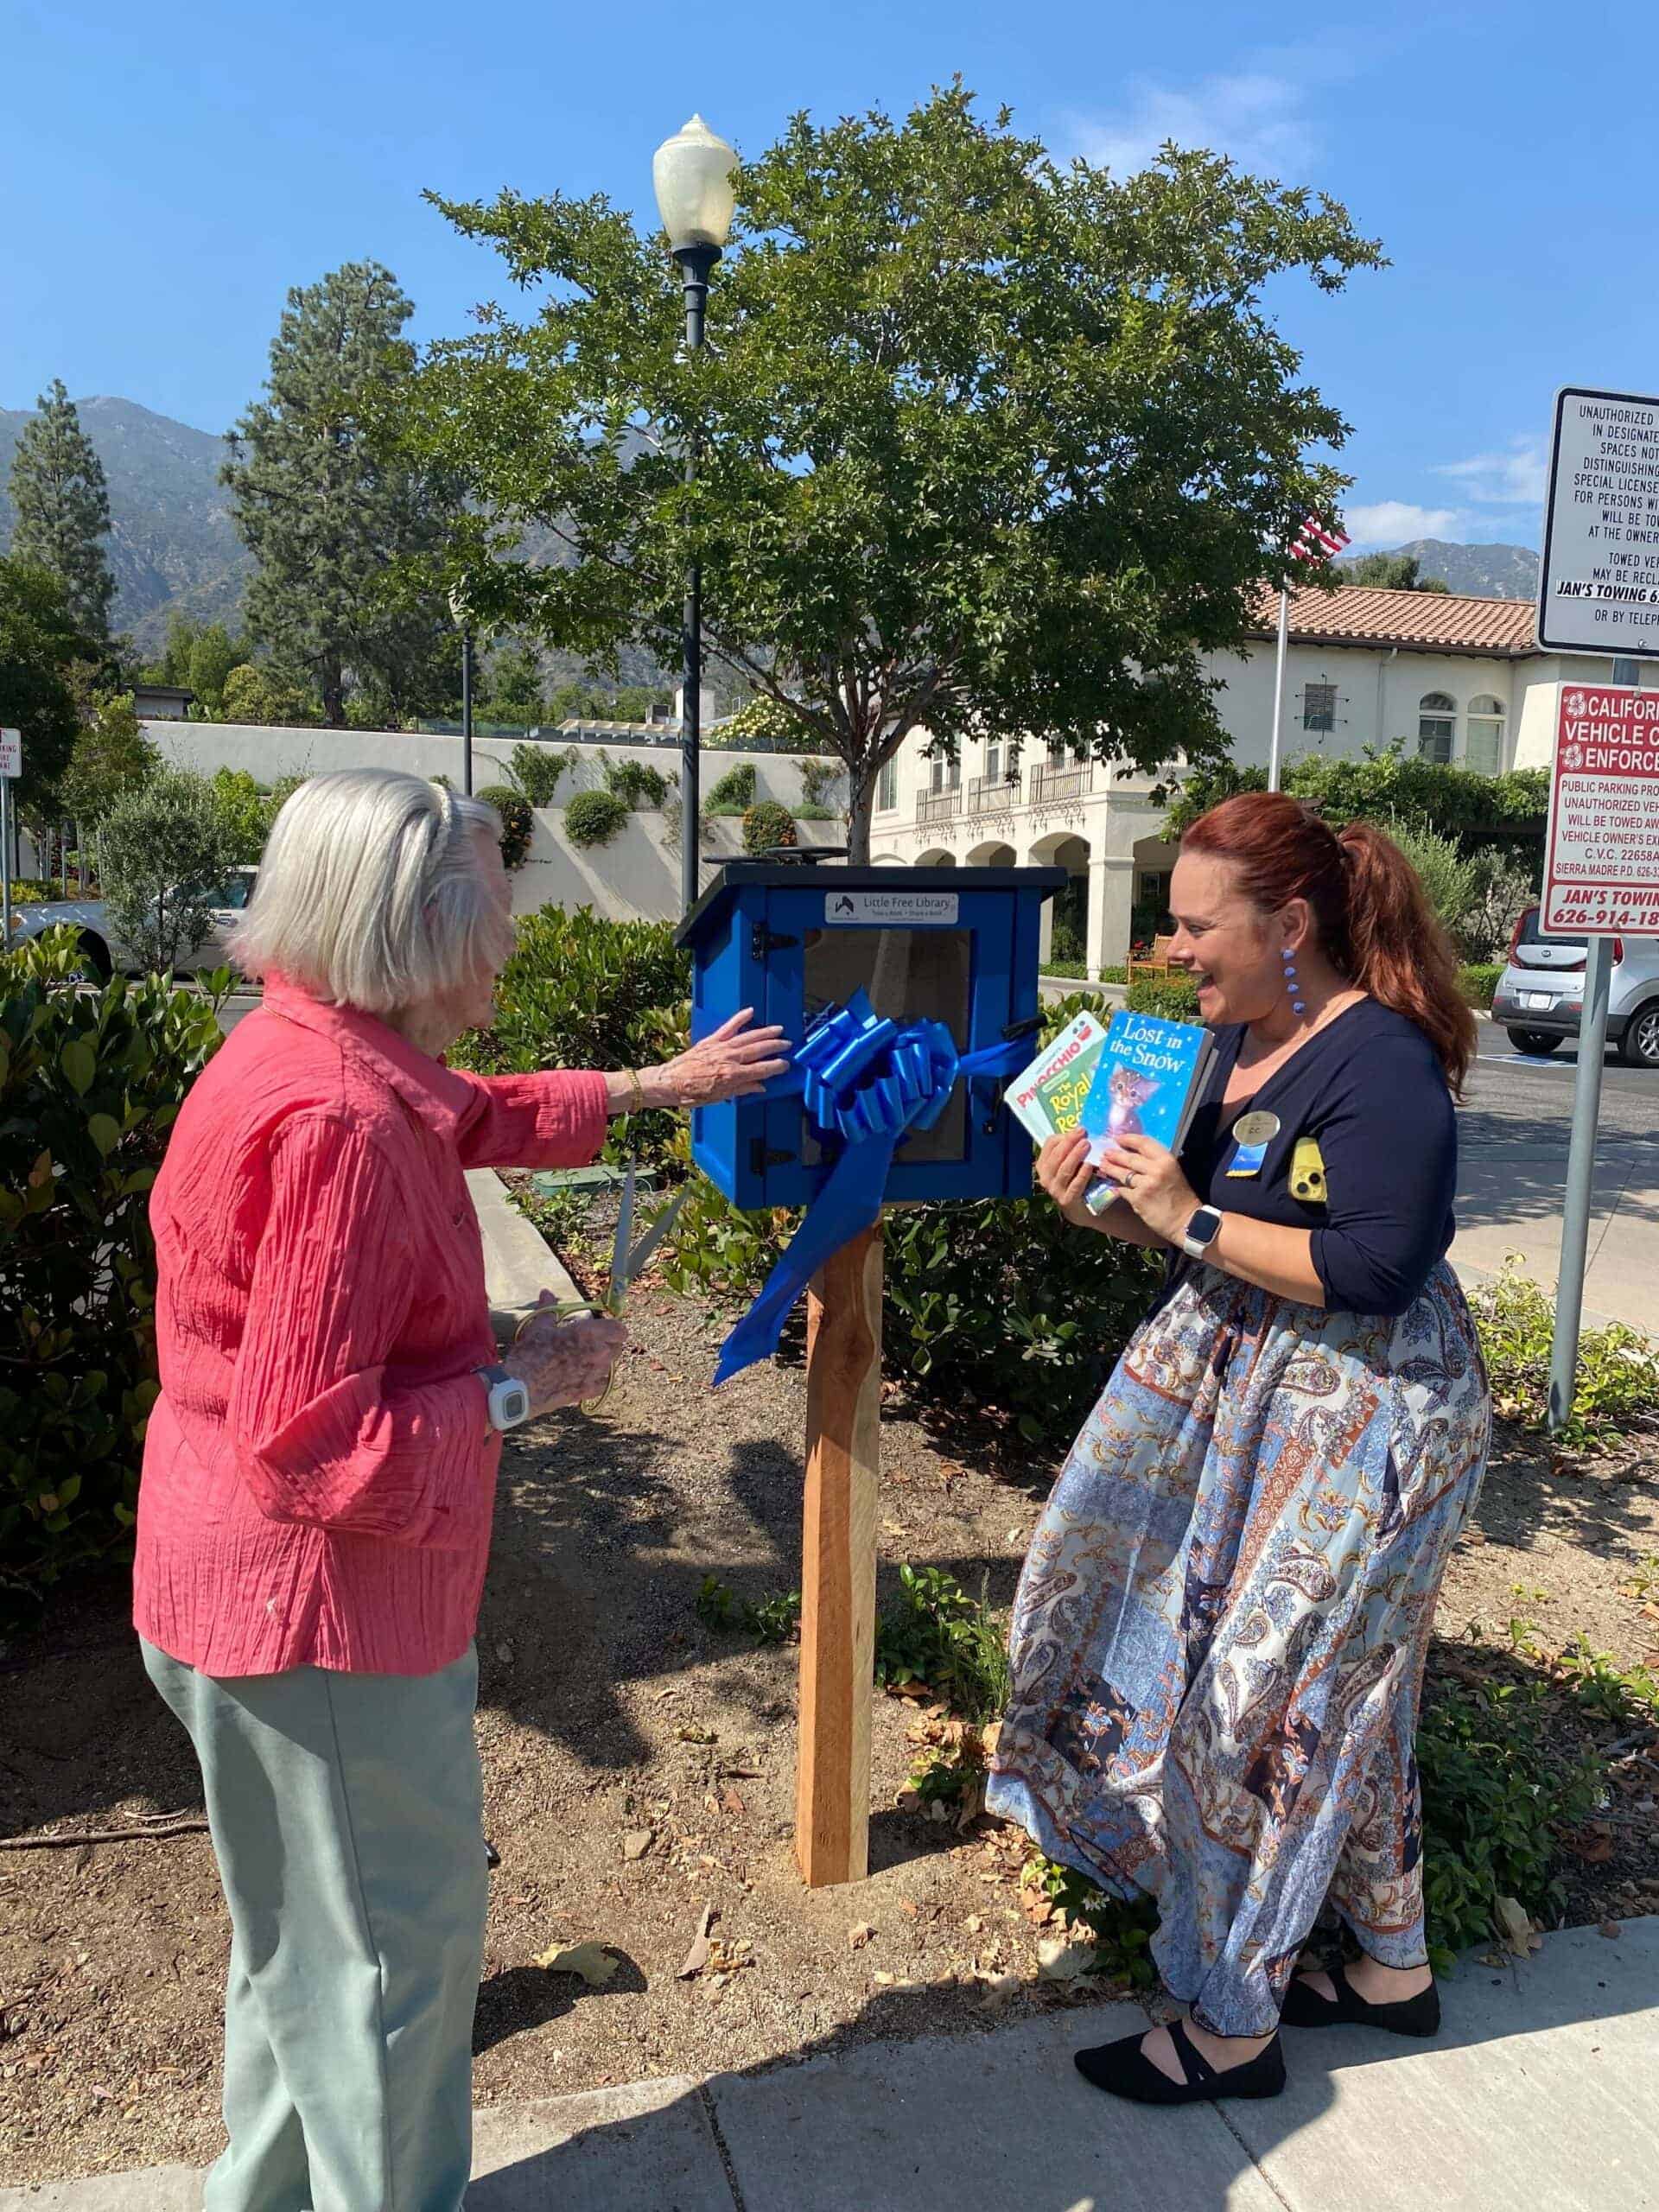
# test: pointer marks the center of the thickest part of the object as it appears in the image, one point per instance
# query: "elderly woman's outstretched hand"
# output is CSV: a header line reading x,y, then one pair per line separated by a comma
x,y
733,1061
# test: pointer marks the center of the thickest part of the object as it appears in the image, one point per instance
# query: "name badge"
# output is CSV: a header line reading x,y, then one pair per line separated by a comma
x,y
1247,1159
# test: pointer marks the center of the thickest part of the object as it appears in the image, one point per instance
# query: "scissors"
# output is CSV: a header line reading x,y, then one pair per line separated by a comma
x,y
628,1261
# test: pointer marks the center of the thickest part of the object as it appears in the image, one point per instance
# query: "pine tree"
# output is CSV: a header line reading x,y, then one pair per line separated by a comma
x,y
63,506
327,518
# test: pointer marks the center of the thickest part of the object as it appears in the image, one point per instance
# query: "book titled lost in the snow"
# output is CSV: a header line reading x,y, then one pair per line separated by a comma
x,y
1137,1077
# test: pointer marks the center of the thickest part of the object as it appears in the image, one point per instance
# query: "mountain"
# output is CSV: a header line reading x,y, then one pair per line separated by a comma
x,y
1481,571
171,541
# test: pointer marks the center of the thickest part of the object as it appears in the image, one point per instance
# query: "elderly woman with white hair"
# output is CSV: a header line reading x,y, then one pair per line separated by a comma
x,y
320,1472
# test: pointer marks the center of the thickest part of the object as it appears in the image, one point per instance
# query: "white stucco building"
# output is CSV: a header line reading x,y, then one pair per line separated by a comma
x,y
1461,680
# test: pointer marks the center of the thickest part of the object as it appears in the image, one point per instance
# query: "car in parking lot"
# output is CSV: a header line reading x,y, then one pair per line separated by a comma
x,y
1540,995
103,951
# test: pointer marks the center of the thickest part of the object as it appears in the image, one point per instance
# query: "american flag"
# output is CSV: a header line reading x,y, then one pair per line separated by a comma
x,y
1317,540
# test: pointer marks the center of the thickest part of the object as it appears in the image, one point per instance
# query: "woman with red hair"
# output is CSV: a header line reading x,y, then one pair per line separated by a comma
x,y
1221,1629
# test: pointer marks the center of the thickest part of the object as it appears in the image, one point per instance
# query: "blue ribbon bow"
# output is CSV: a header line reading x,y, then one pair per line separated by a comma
x,y
867,1082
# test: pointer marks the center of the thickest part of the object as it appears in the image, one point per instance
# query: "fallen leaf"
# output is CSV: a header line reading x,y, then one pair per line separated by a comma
x,y
909,1905
591,1961
1058,1960
1016,1535
637,1842
698,1736
698,1957
859,1937
996,1989
731,1802
1611,1928
1516,1927
974,1923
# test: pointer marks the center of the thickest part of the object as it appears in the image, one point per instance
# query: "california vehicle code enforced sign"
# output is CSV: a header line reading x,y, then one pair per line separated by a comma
x,y
1601,866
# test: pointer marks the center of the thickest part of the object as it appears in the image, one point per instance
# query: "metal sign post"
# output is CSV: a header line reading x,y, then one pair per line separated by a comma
x,y
11,764
1580,1182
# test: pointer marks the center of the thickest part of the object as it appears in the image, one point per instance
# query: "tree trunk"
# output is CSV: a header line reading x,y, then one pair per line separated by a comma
x,y
860,786
334,696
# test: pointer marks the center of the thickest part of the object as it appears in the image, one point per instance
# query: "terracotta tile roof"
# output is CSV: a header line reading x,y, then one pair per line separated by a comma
x,y
1417,621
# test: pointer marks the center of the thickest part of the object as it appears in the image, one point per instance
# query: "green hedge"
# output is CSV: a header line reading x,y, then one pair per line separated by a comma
x,y
1480,982
593,818
90,1084
766,824
1172,998
518,822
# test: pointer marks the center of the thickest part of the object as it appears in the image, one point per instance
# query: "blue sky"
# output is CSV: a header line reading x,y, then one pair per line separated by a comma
x,y
167,172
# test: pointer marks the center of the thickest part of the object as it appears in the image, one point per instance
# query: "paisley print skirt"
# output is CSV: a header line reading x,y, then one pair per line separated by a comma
x,y
1220,1632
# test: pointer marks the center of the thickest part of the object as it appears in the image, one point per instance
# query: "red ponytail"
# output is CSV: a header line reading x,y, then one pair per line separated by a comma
x,y
1373,916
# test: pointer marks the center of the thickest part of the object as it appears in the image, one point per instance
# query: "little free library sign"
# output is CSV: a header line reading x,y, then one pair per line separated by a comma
x,y
1601,865
1598,579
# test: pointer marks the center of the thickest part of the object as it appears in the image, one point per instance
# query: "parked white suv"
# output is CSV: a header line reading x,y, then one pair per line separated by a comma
x,y
103,951
1540,995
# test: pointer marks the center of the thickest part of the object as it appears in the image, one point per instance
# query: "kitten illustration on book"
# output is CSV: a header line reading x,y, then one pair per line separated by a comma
x,y
1129,1093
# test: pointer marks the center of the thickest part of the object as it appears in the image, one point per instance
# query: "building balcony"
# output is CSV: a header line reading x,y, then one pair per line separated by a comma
x,y
993,794
938,806
1052,787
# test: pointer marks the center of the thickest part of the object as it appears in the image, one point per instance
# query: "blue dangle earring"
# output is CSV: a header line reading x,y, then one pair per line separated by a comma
x,y
1297,1005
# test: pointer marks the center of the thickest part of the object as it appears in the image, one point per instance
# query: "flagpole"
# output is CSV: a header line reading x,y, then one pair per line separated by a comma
x,y
1279,687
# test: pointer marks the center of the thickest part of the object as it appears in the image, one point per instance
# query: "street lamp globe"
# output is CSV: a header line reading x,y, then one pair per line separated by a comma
x,y
692,172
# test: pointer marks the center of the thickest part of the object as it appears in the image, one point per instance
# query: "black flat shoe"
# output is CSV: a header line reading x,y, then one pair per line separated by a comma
x,y
1411,2016
1123,2070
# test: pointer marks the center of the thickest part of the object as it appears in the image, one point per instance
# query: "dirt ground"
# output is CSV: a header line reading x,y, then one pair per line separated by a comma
x,y
638,1771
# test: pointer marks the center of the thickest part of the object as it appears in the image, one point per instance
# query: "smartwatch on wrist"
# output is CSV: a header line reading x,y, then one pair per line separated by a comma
x,y
1201,1232
509,1398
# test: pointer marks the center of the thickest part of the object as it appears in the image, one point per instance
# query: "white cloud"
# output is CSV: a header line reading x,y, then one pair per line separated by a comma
x,y
1514,479
1258,117
1393,522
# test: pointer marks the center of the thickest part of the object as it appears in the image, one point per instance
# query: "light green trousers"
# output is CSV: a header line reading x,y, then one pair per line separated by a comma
x,y
346,1816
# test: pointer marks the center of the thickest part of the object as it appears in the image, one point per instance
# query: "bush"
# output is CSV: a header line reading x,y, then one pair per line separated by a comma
x,y
1618,1369
537,770
1074,971
733,792
1451,880
90,1084
581,992
166,847
593,818
246,811
258,693
30,890
937,1635
1479,983
818,778
635,783
1171,998
766,824
518,822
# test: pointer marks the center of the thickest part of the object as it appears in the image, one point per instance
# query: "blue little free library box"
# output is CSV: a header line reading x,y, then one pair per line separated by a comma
x,y
792,939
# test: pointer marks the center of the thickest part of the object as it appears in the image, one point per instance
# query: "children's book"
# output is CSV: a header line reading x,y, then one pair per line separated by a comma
x,y
1147,1079
1048,1096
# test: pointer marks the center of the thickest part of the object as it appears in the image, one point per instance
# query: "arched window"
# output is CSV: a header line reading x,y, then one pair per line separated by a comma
x,y
1483,748
1437,720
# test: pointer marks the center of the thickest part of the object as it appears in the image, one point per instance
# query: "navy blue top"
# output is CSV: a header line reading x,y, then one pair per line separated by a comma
x,y
1370,1089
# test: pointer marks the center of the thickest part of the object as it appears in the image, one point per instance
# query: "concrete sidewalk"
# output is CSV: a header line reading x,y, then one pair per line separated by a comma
x,y
1509,1198
1538,2093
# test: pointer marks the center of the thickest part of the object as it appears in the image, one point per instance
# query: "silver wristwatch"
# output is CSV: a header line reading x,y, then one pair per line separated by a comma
x,y
1200,1232
509,1398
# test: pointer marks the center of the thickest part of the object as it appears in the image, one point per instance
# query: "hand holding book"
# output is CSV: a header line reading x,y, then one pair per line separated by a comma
x,y
1148,1176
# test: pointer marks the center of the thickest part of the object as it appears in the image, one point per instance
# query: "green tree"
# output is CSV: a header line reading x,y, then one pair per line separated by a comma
x,y
1389,572
256,692
213,654
338,532
62,508
174,664
41,649
245,812
987,443
575,702
112,756
165,849
512,688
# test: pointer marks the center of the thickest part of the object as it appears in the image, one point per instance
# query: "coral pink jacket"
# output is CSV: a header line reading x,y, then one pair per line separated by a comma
x,y
319,1474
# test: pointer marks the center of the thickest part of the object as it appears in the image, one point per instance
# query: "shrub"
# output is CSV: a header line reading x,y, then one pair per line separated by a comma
x,y
1479,983
581,992
1074,969
1171,998
90,1084
593,818
635,783
165,848
259,694
246,811
819,779
1618,1369
537,770
937,1635
1451,881
30,890
518,822
766,824
733,792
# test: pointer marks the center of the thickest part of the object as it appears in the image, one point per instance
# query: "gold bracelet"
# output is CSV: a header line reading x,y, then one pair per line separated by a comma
x,y
637,1104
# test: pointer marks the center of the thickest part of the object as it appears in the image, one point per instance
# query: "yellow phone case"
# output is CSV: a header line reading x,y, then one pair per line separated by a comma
x,y
1307,1172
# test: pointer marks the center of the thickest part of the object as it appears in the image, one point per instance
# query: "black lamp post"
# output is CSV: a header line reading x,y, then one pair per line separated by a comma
x,y
692,172
464,623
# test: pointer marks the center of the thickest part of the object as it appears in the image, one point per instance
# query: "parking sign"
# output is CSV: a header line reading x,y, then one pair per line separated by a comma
x,y
1601,864
1599,578
11,753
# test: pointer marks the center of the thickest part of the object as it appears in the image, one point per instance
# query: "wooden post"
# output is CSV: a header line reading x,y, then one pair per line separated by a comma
x,y
843,1427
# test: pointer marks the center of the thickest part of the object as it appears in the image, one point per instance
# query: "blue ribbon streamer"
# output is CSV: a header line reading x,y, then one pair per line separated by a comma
x,y
867,1082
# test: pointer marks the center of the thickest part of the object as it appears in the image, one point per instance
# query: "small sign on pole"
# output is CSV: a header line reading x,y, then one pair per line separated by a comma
x,y
1599,577
12,764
